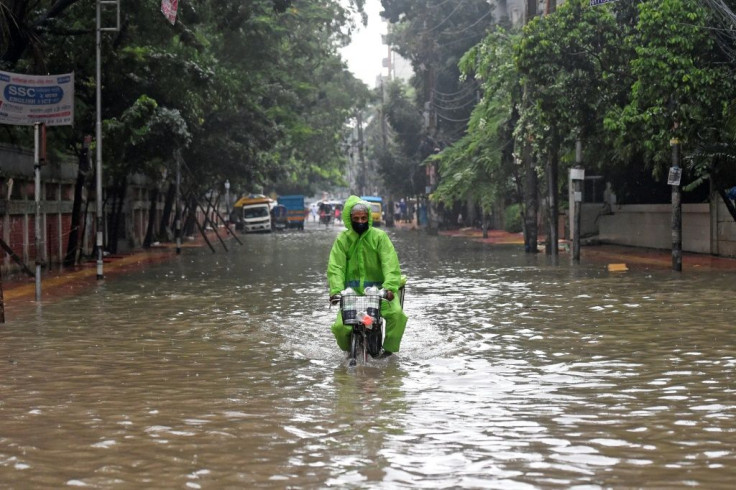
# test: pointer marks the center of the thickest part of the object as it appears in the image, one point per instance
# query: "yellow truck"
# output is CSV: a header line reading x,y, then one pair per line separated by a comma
x,y
376,203
252,214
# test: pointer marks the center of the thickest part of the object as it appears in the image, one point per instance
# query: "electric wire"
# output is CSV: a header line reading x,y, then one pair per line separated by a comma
x,y
437,26
480,19
451,95
454,107
439,114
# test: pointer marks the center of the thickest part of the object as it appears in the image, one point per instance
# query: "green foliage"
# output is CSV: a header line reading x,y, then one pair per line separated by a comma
x,y
396,141
255,92
145,131
433,35
480,164
512,219
574,69
616,76
252,91
681,83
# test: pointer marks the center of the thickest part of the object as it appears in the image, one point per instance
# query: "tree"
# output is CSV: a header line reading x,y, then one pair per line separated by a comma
x,y
434,35
253,92
682,86
481,165
572,66
397,142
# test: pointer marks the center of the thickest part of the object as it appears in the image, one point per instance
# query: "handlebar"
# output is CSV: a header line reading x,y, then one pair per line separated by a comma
x,y
383,294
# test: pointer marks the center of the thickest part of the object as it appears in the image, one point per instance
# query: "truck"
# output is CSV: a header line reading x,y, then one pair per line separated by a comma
x,y
295,210
376,203
252,214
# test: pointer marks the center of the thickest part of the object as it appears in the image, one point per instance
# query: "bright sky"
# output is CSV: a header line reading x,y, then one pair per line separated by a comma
x,y
365,53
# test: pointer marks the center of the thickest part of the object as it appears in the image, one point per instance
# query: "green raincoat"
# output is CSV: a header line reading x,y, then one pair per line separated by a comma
x,y
360,261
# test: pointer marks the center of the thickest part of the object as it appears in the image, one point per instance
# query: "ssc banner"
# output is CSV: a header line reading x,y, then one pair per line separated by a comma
x,y
28,99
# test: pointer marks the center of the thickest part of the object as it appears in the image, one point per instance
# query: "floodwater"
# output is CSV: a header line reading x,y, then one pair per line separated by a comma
x,y
220,371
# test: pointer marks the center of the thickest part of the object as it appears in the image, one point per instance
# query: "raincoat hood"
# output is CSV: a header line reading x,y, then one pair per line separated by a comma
x,y
362,260
348,207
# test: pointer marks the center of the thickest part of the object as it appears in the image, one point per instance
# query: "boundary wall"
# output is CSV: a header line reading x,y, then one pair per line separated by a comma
x,y
18,210
707,228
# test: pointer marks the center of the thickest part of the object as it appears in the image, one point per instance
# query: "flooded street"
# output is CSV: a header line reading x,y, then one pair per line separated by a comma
x,y
220,371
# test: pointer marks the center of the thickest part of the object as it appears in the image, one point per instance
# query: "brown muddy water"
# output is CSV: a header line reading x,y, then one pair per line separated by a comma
x,y
220,371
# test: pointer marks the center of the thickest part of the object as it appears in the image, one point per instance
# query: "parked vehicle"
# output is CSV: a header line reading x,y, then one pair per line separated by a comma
x,y
295,210
252,214
279,217
376,203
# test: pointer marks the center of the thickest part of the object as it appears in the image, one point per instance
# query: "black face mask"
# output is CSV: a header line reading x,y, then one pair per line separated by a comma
x,y
359,228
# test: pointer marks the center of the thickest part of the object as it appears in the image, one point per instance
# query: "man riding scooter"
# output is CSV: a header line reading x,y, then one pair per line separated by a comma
x,y
364,256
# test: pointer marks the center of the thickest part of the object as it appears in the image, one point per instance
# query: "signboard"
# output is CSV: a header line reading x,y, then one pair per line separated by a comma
x,y
674,176
29,99
593,3
577,173
169,8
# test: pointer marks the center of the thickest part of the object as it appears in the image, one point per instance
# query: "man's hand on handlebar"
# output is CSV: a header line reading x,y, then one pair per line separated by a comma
x,y
335,298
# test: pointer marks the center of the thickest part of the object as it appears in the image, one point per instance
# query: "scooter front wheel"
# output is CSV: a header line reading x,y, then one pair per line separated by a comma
x,y
355,348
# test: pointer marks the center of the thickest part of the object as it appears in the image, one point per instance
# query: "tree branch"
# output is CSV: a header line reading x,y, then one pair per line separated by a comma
x,y
56,9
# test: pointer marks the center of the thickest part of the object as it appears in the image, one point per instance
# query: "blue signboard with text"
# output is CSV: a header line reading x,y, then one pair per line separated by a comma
x,y
29,99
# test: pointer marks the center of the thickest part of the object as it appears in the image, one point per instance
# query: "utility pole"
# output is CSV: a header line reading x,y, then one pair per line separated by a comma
x,y
39,136
531,10
100,219
227,198
674,180
577,176
361,155
177,212
98,146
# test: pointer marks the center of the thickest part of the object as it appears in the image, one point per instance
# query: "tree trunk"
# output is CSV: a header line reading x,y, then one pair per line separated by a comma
x,y
531,201
553,208
191,213
470,219
116,215
165,228
149,239
73,244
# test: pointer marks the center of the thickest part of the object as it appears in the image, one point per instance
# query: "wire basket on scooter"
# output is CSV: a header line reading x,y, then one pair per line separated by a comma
x,y
351,305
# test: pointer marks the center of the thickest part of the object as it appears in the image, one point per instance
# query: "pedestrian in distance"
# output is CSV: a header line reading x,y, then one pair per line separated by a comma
x,y
364,256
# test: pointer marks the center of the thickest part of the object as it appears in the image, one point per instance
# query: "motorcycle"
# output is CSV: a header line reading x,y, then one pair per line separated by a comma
x,y
363,314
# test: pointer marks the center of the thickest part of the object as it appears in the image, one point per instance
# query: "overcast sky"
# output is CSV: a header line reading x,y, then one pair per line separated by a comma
x,y
365,54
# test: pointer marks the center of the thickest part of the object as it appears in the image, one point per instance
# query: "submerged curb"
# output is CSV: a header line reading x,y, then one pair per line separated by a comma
x,y
20,291
632,258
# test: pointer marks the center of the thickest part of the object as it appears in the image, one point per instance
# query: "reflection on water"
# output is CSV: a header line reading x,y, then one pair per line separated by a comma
x,y
215,371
